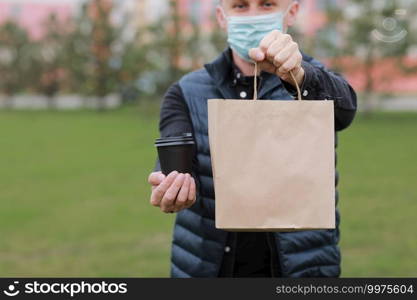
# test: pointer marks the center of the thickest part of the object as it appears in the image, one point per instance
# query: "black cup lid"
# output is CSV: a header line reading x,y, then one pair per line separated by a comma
x,y
174,143
187,134
183,137
174,140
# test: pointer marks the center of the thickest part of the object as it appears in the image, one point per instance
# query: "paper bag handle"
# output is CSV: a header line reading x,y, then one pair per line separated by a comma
x,y
255,84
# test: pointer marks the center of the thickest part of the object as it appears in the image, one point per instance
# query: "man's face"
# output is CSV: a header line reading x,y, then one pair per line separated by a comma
x,y
256,7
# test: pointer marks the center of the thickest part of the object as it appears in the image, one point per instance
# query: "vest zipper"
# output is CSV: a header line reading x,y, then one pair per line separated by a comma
x,y
271,253
270,241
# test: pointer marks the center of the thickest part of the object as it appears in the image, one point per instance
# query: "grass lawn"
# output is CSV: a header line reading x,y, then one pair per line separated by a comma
x,y
74,196
378,196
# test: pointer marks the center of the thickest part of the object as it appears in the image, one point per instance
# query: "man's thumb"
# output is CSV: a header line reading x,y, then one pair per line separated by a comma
x,y
256,54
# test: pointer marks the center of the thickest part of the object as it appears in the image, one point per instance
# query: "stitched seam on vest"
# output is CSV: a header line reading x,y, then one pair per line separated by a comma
x,y
300,267
182,270
207,218
328,265
185,250
178,243
310,249
204,214
206,198
204,171
200,76
194,254
313,267
200,237
205,153
198,257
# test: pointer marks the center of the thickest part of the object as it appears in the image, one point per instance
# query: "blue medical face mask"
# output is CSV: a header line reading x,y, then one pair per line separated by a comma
x,y
246,32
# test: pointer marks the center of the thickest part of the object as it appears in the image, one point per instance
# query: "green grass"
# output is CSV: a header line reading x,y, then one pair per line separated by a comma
x,y
74,195
378,195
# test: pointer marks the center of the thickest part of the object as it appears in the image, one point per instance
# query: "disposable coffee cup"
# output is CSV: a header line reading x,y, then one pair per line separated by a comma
x,y
176,153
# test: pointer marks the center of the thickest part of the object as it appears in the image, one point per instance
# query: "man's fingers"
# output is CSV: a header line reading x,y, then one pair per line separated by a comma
x,y
277,46
183,193
160,190
192,194
180,194
290,65
276,54
155,178
286,53
267,67
269,39
257,55
167,202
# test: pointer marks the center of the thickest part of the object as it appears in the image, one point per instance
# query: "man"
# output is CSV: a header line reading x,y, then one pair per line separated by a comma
x,y
256,32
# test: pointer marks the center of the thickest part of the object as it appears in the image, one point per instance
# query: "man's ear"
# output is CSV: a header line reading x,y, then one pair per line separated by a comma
x,y
291,16
221,18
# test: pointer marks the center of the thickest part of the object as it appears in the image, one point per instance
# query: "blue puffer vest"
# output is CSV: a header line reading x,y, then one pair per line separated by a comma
x,y
198,247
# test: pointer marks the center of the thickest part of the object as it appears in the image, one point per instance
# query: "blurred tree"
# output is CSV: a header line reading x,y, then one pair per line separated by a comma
x,y
133,64
179,45
218,38
15,60
86,55
100,60
102,39
49,57
168,37
77,57
195,42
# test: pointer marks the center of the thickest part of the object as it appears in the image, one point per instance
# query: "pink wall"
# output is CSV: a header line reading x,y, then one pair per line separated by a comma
x,y
32,15
311,18
207,12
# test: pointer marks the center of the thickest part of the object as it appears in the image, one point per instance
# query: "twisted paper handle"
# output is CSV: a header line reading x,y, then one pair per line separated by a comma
x,y
255,84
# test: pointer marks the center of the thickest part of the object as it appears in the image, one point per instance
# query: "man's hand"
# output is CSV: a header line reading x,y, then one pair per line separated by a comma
x,y
172,193
279,54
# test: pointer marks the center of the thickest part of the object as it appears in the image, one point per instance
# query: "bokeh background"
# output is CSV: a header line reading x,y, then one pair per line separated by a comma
x,y
81,83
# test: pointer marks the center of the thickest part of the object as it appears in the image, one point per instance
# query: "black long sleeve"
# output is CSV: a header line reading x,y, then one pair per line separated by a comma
x,y
320,84
174,116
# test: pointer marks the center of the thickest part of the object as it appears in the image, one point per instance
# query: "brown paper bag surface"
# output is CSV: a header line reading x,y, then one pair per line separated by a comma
x,y
273,164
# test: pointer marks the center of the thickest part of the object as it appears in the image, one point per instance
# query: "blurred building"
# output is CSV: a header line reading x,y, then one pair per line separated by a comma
x,y
139,13
31,14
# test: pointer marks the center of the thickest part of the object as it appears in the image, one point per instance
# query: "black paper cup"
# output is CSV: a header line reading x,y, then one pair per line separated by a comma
x,y
176,153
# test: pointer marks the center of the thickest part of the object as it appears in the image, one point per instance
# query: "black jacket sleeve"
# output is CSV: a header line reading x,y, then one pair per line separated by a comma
x,y
320,84
174,116
175,120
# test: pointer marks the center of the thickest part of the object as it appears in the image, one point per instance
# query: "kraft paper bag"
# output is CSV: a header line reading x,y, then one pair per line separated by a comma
x,y
273,164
